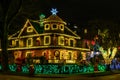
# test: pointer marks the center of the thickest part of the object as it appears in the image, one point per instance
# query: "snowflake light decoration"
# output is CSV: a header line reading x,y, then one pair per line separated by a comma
x,y
54,11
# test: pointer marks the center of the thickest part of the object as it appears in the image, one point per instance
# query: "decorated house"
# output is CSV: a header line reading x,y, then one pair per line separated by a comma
x,y
51,42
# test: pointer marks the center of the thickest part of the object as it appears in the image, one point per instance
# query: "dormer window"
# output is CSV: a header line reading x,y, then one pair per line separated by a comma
x,y
61,27
47,27
54,27
29,29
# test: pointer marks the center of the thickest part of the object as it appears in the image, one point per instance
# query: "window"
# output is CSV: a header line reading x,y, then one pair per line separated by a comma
x,y
29,29
29,42
47,40
38,41
60,40
17,42
61,27
47,27
85,30
54,27
13,43
71,42
57,54
28,54
70,55
21,43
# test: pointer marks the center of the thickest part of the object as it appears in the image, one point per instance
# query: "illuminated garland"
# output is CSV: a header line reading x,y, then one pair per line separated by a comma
x,y
54,69
25,69
0,67
101,67
13,67
115,65
61,69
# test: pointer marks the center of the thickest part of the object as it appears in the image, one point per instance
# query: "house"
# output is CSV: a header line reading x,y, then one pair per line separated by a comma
x,y
54,41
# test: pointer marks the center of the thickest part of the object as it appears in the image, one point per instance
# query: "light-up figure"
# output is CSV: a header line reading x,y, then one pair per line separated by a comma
x,y
54,11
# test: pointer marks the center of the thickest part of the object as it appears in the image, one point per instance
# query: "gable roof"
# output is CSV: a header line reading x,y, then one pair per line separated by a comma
x,y
26,25
14,35
36,24
70,32
54,18
40,29
18,33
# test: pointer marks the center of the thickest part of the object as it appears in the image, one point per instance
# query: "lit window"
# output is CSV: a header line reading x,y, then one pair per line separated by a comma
x,y
13,43
28,54
47,27
38,41
21,43
61,27
60,40
29,42
29,29
69,55
47,40
85,30
57,54
54,27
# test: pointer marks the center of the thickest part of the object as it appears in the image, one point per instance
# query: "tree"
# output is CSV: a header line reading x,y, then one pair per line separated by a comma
x,y
108,47
108,38
9,10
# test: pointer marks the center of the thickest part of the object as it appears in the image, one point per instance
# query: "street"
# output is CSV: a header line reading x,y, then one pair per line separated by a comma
x,y
71,77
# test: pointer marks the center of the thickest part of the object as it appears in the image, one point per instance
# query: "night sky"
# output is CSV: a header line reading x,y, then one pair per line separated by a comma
x,y
79,11
74,12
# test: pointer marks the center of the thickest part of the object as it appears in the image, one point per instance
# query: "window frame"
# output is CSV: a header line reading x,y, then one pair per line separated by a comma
x,y
71,39
31,44
59,40
46,27
45,40
61,27
31,30
53,27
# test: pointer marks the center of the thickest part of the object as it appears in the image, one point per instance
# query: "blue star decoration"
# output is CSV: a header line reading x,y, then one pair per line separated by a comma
x,y
54,11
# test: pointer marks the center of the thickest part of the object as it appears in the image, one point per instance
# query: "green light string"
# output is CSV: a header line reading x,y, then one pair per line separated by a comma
x,y
0,67
13,67
101,67
25,69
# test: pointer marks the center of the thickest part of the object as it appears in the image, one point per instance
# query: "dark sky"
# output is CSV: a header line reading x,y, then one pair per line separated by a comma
x,y
77,11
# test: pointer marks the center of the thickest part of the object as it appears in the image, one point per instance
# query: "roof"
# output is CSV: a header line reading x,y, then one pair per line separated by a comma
x,y
70,32
38,28
54,18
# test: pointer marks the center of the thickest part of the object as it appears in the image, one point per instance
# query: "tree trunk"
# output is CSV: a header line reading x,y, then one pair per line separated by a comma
x,y
4,45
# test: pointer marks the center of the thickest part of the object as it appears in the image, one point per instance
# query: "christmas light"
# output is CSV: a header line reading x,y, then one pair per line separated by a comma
x,y
54,69
25,68
0,67
54,11
13,67
101,67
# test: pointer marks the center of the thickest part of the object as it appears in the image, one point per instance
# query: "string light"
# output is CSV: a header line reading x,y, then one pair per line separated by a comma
x,y
54,11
